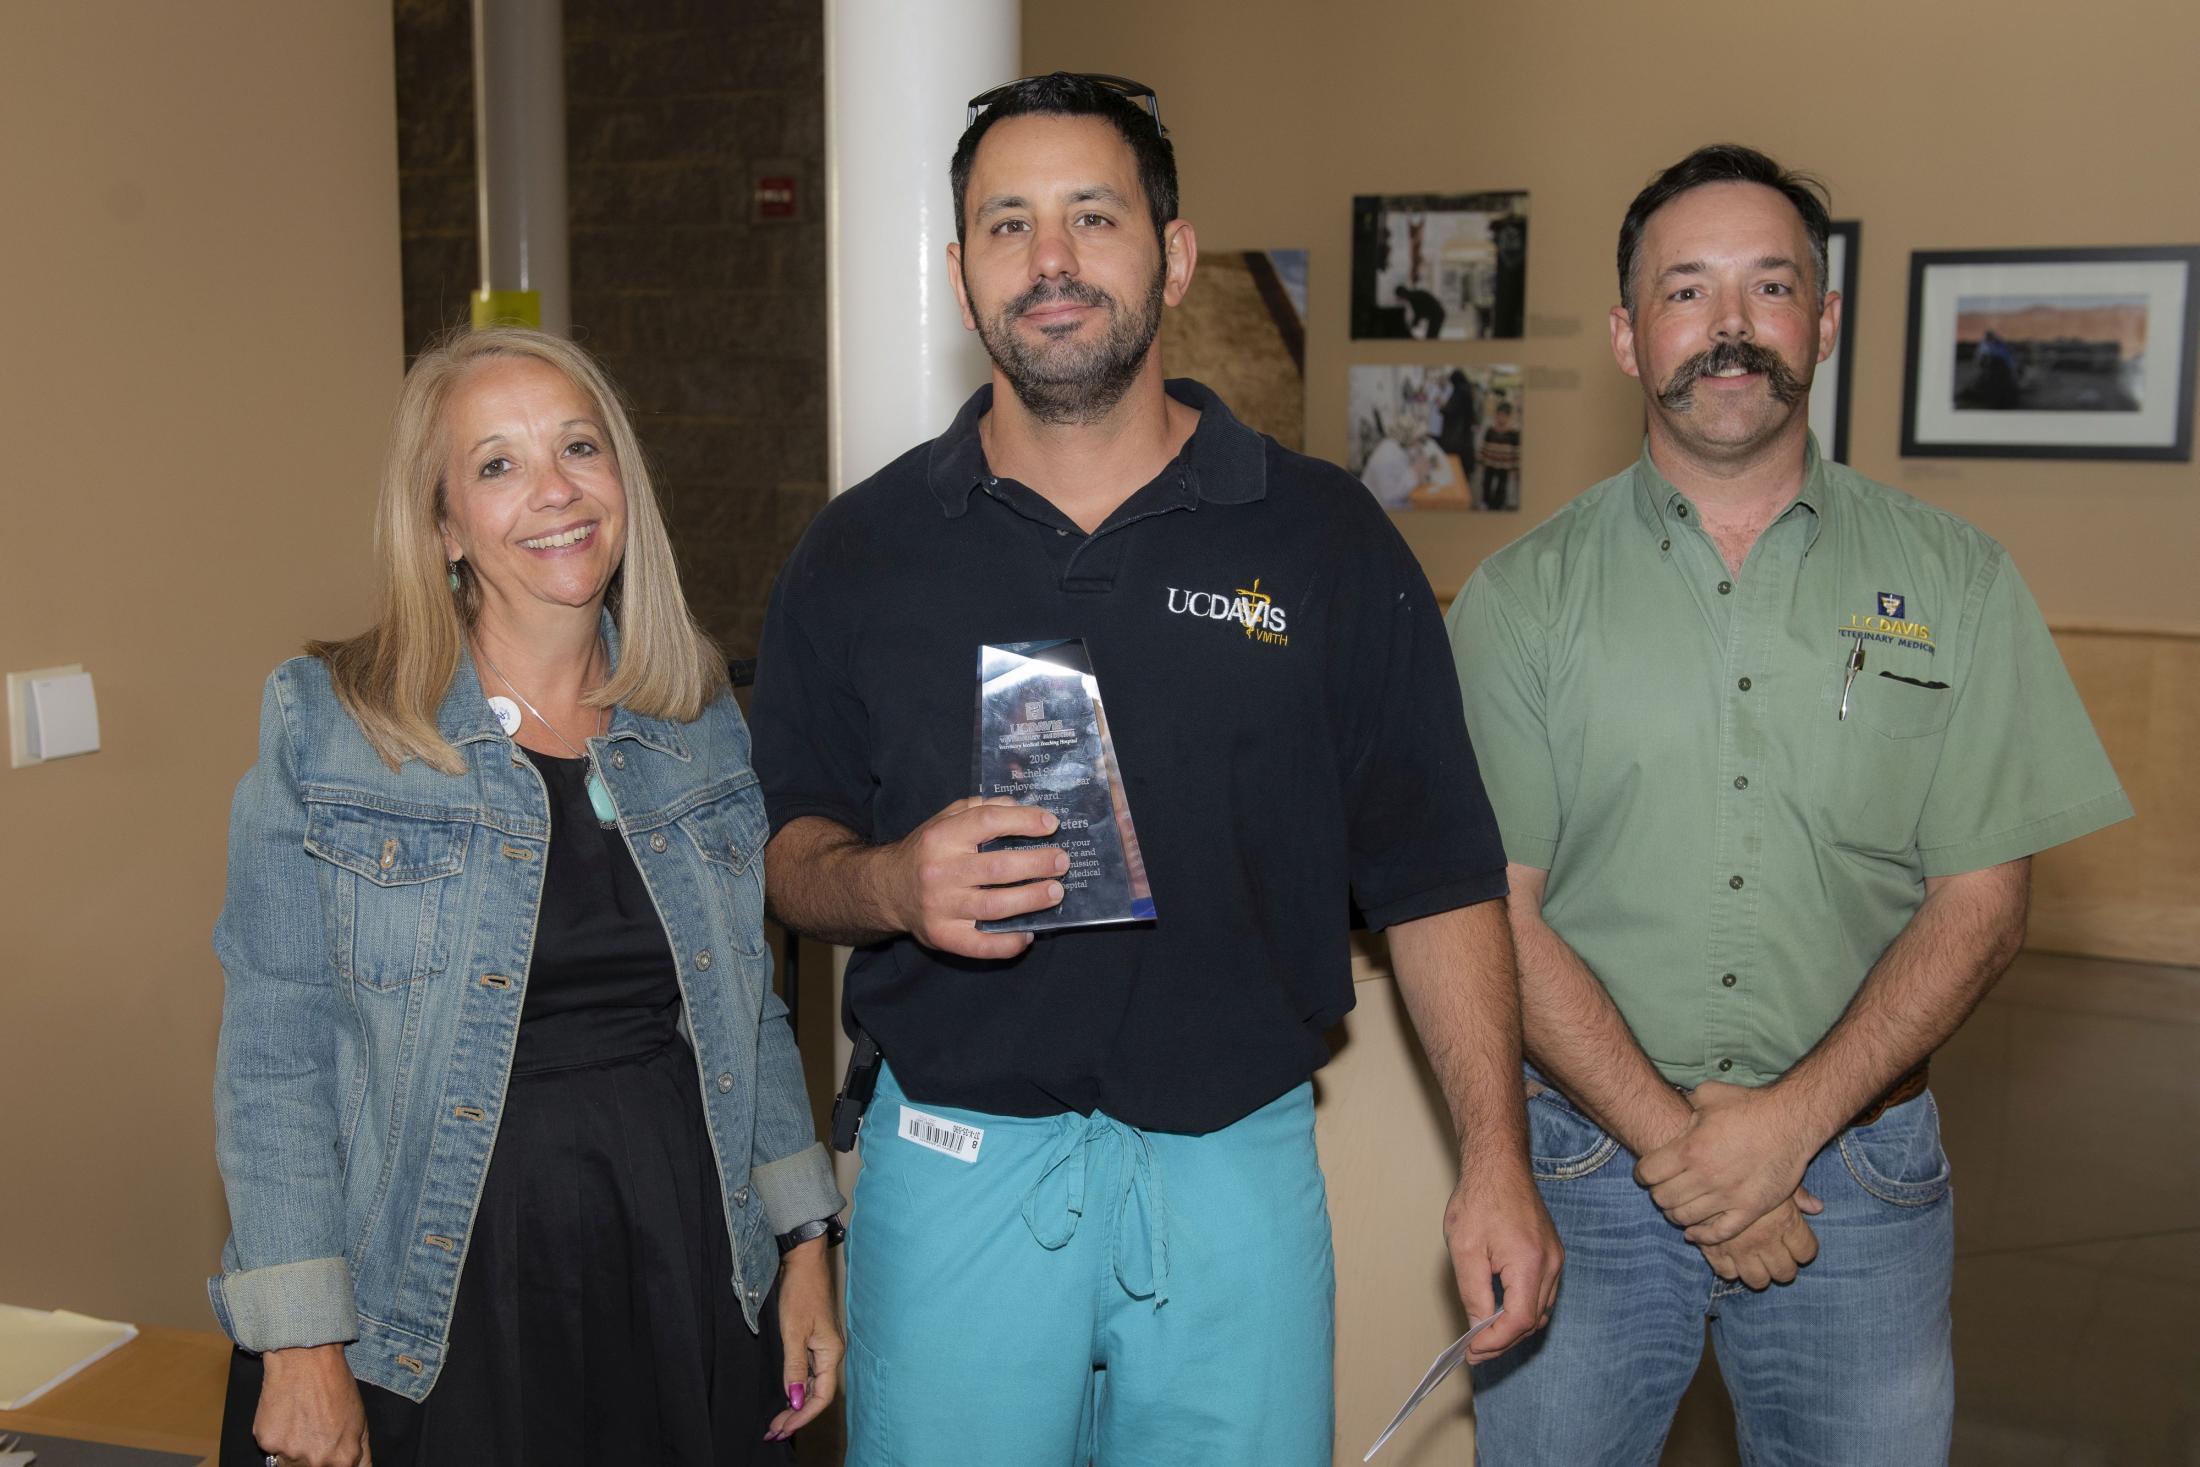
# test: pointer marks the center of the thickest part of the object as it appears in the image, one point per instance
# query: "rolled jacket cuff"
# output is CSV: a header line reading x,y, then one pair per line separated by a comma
x,y
797,1189
288,1304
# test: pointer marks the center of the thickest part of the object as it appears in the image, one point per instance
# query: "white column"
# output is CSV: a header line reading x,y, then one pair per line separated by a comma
x,y
898,363
519,163
897,76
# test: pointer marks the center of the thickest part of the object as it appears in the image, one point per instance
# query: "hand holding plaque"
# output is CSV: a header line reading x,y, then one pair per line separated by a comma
x,y
1043,740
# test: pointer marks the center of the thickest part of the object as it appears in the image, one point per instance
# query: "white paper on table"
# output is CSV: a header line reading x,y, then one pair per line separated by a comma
x,y
41,1348
1444,1364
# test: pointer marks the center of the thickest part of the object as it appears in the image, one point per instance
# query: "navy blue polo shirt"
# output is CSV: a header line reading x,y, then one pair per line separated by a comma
x,y
1286,715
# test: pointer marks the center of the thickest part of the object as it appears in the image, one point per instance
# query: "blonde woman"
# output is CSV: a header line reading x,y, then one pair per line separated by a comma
x,y
519,1161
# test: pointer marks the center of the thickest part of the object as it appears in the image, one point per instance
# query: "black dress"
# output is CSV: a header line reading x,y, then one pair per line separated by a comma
x,y
596,1319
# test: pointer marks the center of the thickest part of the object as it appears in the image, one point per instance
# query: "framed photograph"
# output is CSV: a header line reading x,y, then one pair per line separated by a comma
x,y
1242,331
1439,267
2080,353
1829,390
1437,437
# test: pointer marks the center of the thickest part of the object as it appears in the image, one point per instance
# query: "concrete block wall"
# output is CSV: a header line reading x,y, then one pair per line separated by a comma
x,y
713,323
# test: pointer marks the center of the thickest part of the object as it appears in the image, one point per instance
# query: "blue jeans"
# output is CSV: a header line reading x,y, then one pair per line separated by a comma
x,y
1068,1289
1849,1366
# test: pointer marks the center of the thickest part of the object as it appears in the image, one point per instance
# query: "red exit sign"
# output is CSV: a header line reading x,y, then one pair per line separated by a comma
x,y
776,196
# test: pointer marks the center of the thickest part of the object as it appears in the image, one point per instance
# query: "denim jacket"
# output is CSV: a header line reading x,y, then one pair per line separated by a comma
x,y
376,940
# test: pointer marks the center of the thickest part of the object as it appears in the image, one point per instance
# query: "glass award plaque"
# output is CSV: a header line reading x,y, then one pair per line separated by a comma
x,y
1043,740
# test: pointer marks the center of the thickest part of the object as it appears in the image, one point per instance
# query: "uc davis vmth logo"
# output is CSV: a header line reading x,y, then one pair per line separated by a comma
x,y
1249,606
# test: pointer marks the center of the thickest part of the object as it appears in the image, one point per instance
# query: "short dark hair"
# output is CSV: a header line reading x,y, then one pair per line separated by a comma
x,y
1064,95
1725,163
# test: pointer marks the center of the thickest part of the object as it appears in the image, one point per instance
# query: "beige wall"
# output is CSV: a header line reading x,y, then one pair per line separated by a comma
x,y
199,342
1964,123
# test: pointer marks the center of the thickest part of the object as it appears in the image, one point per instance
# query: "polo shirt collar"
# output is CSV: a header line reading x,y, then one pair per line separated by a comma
x,y
1655,495
1224,463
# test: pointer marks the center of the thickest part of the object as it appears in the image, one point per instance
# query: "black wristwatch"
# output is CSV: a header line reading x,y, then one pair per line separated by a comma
x,y
828,1228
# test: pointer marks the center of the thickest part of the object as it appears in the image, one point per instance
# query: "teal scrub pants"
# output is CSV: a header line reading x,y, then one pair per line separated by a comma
x,y
1067,1290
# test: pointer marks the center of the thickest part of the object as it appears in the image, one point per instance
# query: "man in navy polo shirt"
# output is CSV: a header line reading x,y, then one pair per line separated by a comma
x,y
1091,1221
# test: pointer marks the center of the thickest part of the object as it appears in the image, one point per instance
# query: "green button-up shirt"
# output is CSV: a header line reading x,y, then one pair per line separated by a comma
x,y
1727,852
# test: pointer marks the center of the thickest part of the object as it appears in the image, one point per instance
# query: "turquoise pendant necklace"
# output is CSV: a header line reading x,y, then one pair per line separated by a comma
x,y
599,795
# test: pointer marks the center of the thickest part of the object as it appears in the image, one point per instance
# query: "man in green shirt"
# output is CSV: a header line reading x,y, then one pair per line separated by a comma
x,y
1771,747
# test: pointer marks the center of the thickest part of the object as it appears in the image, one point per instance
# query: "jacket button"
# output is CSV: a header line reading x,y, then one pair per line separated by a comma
x,y
1725,1065
702,960
741,1198
1735,882
657,841
618,759
725,1084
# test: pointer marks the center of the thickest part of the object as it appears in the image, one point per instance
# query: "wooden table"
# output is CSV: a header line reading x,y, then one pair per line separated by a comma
x,y
162,1391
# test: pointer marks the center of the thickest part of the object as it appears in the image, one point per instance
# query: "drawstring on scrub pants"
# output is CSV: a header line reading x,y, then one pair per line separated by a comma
x,y
1057,1200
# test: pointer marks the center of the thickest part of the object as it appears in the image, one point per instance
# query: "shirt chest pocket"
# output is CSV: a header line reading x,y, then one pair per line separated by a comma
x,y
1876,766
729,834
390,888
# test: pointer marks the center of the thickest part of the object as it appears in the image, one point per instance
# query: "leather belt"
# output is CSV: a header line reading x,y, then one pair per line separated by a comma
x,y
1909,1087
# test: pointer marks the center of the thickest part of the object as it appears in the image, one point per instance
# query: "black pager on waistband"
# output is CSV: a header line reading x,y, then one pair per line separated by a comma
x,y
855,1091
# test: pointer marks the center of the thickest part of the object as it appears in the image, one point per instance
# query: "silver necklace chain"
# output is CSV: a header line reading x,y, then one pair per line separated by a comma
x,y
580,754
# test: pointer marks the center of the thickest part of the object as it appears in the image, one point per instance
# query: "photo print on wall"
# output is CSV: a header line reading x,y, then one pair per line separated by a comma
x,y
1829,390
1443,437
1243,333
2064,353
1439,267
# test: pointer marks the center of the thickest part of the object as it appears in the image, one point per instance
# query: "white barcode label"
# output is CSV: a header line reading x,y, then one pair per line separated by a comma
x,y
951,1138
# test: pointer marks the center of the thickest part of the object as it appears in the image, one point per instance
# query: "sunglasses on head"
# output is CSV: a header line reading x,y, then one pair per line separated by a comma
x,y
1122,86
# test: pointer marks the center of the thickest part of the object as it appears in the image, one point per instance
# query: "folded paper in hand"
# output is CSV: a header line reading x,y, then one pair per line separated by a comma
x,y
1443,1365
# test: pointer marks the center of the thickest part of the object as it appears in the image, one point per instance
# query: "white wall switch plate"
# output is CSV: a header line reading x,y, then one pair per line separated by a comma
x,y
52,714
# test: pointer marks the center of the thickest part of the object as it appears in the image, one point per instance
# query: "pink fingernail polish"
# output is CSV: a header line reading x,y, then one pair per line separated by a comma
x,y
797,1393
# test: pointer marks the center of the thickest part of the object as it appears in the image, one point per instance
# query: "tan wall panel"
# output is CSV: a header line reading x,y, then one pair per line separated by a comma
x,y
202,343
2133,890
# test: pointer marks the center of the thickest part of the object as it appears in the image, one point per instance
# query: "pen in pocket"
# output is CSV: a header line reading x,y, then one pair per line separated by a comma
x,y
1856,665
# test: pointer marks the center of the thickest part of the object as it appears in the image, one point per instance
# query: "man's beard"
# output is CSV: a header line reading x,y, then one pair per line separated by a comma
x,y
1679,393
1072,382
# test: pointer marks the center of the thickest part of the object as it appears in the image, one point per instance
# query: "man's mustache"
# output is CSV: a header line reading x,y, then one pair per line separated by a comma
x,y
1679,392
1055,293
